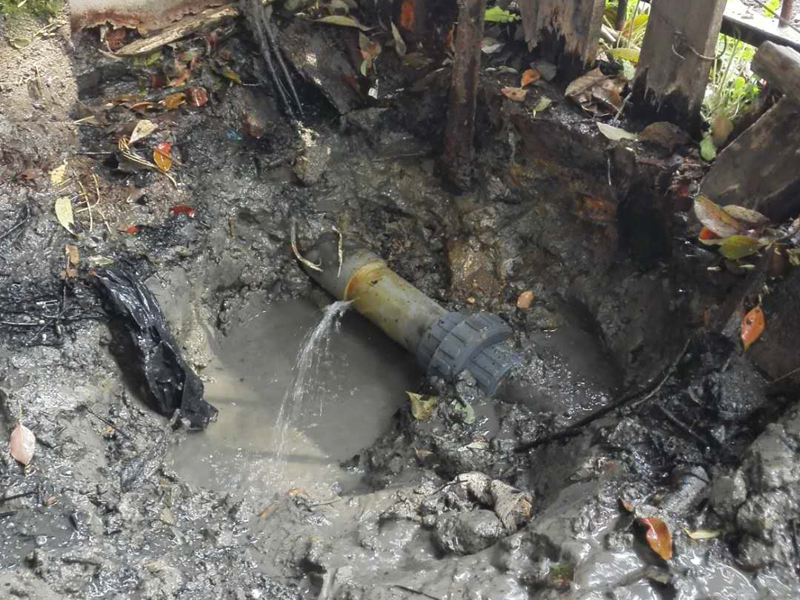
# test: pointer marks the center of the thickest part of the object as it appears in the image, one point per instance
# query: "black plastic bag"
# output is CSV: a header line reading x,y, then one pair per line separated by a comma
x,y
169,382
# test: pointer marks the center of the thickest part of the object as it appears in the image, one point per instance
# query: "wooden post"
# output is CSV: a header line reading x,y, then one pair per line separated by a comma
x,y
459,137
787,8
677,52
760,168
567,32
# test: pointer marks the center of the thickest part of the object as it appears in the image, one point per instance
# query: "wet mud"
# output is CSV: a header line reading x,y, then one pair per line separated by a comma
x,y
634,391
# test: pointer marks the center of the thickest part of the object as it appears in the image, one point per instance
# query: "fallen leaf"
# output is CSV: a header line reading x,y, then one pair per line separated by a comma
x,y
197,96
58,174
585,82
132,229
422,406
702,534
116,38
715,218
615,134
543,104
64,213
664,134
72,252
490,45
399,44
173,101
708,151
753,325
626,505
529,76
182,209
229,73
181,79
464,411
721,129
739,246
630,54
709,238
343,21
142,130
22,444
513,93
658,536
161,156
525,299
746,216
609,96
370,50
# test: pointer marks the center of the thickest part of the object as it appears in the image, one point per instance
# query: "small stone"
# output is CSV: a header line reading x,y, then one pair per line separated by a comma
x,y
728,493
166,517
525,300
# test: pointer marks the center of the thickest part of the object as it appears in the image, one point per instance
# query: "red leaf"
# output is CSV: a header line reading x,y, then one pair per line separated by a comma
x,y
197,96
132,229
753,325
161,156
407,15
707,234
658,536
182,209
529,76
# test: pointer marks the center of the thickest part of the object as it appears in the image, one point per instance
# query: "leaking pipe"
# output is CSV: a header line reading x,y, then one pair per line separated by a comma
x,y
444,343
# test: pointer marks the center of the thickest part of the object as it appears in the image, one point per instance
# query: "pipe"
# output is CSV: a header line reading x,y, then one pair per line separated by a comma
x,y
444,343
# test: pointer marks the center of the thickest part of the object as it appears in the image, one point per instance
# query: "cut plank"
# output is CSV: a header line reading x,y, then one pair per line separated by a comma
x,y
780,66
566,32
760,169
676,57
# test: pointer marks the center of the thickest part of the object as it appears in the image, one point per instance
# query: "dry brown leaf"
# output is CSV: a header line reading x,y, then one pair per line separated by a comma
x,y
174,100
525,299
22,444
658,536
529,76
751,218
753,325
585,82
142,130
715,218
512,93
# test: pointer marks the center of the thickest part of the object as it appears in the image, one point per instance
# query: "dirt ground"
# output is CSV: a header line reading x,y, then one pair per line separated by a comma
x,y
637,401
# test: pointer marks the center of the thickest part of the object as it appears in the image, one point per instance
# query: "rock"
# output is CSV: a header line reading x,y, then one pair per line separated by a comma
x,y
472,270
525,300
310,167
728,493
468,532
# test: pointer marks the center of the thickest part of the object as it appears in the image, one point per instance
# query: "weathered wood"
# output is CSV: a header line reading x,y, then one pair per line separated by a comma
x,y
678,49
622,11
760,169
780,66
565,31
459,137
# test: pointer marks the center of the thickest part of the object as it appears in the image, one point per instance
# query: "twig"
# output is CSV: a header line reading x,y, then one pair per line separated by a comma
x,y
18,224
341,252
306,262
107,422
682,426
650,391
786,375
413,591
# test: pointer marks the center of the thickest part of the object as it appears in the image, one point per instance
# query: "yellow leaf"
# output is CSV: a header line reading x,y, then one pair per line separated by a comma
x,y
631,54
161,156
702,534
173,101
64,213
343,21
58,174
739,246
142,130
422,406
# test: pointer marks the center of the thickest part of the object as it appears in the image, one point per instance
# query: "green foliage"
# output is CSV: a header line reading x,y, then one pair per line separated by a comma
x,y
38,8
498,15
771,9
732,86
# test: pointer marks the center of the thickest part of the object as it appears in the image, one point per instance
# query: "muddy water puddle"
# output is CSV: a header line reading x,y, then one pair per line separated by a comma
x,y
356,384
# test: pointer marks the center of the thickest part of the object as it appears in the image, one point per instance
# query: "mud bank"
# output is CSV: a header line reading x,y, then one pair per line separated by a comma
x,y
626,315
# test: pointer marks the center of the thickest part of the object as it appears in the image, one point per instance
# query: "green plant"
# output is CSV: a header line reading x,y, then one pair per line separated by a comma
x,y
732,84
771,8
37,8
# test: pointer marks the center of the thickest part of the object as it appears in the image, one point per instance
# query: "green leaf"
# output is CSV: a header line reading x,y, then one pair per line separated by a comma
x,y
630,54
739,246
616,134
543,104
463,411
498,15
708,151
